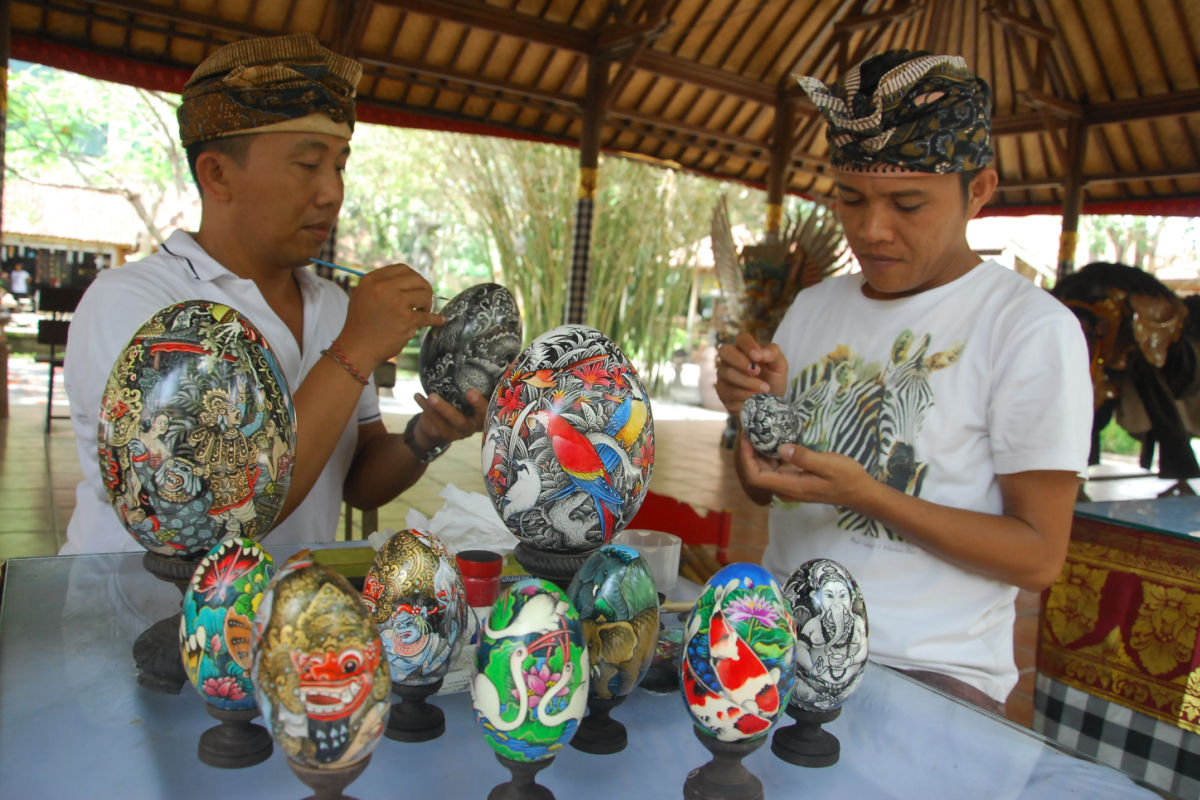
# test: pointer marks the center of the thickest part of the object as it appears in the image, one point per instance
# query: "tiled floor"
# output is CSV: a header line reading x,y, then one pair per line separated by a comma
x,y
38,473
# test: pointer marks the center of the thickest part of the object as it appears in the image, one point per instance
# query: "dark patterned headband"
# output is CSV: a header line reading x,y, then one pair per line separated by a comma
x,y
283,83
906,112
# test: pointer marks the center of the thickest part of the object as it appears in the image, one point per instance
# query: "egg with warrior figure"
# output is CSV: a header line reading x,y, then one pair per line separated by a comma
x,y
415,595
739,654
196,431
529,685
830,620
217,615
320,677
618,606
568,445
479,339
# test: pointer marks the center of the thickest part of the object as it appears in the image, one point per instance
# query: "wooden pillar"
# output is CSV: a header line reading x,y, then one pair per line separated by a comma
x,y
5,32
575,312
1072,197
780,168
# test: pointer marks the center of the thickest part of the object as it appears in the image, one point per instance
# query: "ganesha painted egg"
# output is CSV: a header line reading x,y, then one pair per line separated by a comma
x,y
830,620
613,591
320,677
479,339
739,654
414,593
568,447
529,685
215,623
197,431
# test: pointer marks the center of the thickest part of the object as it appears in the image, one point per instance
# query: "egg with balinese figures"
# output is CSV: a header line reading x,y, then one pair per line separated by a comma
x,y
739,654
415,595
529,684
479,339
216,618
197,431
769,421
830,618
320,677
568,445
614,593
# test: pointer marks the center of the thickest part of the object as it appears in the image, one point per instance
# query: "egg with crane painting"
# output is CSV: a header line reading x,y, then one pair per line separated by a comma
x,y
529,685
568,446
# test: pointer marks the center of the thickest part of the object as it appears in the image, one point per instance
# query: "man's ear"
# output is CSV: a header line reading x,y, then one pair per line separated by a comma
x,y
982,186
213,170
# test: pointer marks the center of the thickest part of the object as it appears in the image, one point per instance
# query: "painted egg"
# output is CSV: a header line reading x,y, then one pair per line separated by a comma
x,y
613,591
197,431
739,654
215,624
480,338
529,685
320,677
414,592
769,421
831,634
568,447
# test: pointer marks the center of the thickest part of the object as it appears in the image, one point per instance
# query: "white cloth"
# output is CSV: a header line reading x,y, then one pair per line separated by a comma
x,y
984,375
20,281
120,301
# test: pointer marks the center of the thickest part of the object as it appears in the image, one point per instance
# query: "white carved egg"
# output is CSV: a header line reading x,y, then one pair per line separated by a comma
x,y
769,421
568,445
480,338
831,634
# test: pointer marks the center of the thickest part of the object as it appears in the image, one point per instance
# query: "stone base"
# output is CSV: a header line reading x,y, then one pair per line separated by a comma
x,y
598,733
413,719
558,568
724,778
523,785
807,744
236,742
327,784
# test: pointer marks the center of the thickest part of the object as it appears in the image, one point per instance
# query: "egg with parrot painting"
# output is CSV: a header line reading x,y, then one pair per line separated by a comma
x,y
196,431
215,623
830,620
739,654
568,447
614,594
480,338
529,685
414,592
320,677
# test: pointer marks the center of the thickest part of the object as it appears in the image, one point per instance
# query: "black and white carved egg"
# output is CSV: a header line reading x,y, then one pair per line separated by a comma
x,y
831,634
481,337
769,421
197,431
568,447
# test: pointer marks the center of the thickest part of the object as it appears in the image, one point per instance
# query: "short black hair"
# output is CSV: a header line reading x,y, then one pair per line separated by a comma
x,y
236,147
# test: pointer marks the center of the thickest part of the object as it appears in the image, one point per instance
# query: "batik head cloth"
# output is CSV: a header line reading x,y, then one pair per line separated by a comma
x,y
282,83
906,112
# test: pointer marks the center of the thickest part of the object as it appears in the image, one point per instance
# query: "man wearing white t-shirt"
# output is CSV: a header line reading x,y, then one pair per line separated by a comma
x,y
945,401
266,124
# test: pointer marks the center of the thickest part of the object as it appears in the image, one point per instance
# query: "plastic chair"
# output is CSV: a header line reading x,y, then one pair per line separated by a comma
x,y
59,303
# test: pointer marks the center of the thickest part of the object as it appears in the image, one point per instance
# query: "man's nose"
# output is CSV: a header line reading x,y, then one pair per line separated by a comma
x,y
877,224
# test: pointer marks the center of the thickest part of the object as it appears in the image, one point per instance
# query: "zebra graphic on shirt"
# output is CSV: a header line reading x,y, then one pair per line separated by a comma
x,y
872,413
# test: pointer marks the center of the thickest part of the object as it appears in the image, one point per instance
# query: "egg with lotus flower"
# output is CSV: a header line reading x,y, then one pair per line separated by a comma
x,y
568,445
738,662
196,431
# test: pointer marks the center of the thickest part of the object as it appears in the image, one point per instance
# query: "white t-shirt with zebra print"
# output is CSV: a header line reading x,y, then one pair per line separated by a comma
x,y
934,394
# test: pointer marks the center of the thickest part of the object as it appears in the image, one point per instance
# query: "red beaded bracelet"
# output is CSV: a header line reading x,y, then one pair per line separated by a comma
x,y
335,352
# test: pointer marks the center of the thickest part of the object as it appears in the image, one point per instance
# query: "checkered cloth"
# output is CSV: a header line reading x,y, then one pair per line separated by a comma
x,y
575,312
1160,754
